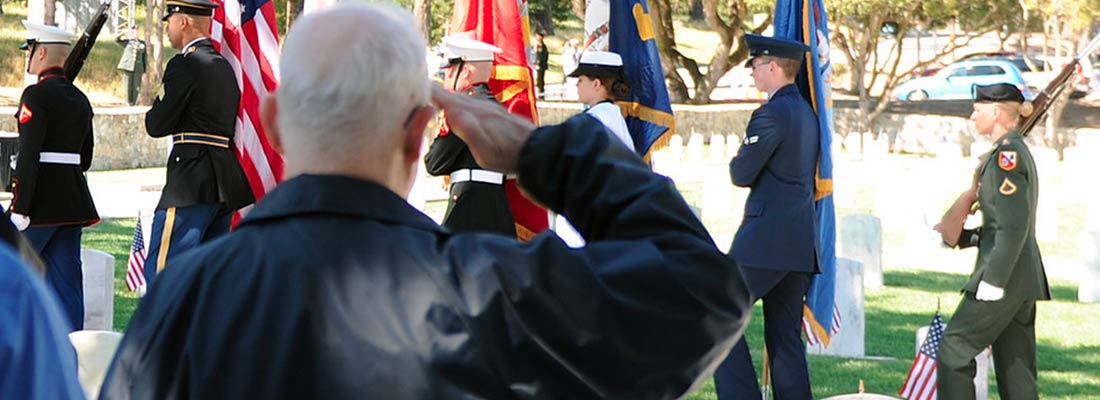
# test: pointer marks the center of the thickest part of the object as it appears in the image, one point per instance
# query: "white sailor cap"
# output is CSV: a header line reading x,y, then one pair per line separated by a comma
x,y
45,34
461,48
599,63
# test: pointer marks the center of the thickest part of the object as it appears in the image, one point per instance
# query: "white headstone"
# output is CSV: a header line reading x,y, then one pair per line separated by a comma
x,y
676,148
860,396
849,342
695,147
717,147
94,352
1046,218
99,289
733,144
1088,287
861,240
1088,146
981,376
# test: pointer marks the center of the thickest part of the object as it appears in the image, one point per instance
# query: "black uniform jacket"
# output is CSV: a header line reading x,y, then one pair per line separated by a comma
x,y
200,96
54,117
473,206
336,288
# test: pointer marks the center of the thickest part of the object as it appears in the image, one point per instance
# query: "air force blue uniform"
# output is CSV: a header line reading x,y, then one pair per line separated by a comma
x,y
777,245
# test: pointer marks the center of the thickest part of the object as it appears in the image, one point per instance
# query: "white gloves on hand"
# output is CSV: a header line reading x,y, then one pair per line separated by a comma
x,y
20,221
987,292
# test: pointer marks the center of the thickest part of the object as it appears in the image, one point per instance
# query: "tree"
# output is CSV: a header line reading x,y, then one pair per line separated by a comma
x,y
872,35
423,11
730,20
154,34
1066,29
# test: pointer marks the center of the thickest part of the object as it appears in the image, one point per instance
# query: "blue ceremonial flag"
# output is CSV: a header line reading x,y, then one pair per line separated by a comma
x,y
648,111
805,21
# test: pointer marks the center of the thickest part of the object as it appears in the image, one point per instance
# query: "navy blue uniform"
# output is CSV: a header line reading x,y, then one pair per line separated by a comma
x,y
777,245
336,288
205,185
55,149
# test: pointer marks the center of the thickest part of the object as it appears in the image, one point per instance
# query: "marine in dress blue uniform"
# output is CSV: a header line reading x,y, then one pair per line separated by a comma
x,y
197,106
477,202
777,244
52,202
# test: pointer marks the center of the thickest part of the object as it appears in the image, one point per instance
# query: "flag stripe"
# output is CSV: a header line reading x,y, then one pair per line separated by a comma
x,y
246,37
135,264
921,382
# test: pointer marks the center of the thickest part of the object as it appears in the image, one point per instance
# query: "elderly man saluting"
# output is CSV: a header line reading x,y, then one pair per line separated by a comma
x,y
335,287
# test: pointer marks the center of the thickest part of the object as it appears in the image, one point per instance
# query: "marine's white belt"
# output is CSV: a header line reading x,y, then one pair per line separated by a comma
x,y
477,175
59,158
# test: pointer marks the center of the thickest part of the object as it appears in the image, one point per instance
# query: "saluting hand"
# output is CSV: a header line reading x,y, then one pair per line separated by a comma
x,y
494,136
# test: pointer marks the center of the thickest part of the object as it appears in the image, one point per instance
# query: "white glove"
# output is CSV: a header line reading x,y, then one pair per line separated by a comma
x,y
20,221
987,292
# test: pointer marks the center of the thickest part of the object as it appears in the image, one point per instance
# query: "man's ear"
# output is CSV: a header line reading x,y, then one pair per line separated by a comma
x,y
269,113
415,132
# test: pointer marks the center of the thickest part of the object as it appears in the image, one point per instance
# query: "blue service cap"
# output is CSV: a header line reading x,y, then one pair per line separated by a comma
x,y
776,47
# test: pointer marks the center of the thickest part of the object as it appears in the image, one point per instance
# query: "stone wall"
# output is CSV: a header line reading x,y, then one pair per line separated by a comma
x,y
120,139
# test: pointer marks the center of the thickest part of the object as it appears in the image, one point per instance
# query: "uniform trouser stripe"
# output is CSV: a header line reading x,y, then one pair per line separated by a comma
x,y
166,237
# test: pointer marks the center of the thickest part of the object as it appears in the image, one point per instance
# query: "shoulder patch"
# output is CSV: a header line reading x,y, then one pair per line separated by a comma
x,y
25,114
1007,187
750,140
1007,160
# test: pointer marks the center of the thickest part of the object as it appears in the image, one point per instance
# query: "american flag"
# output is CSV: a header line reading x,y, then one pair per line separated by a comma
x,y
921,383
135,266
246,33
808,328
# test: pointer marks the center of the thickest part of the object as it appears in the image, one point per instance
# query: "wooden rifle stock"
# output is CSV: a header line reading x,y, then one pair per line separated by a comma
x,y
83,47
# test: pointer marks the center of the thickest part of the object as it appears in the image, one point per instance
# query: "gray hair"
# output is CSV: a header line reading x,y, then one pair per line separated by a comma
x,y
351,76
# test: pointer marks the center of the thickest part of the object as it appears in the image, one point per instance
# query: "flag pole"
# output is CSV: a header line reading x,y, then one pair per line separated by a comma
x,y
767,386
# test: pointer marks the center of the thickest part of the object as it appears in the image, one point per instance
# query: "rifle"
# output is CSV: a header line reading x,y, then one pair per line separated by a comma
x,y
1055,88
951,225
83,47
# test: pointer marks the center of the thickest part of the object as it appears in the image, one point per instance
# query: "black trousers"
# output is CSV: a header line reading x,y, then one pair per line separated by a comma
x,y
783,293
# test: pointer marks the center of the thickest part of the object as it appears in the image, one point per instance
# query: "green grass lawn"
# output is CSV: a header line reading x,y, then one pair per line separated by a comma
x,y
1069,348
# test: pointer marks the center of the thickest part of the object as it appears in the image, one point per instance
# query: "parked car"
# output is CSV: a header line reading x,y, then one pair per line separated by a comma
x,y
956,81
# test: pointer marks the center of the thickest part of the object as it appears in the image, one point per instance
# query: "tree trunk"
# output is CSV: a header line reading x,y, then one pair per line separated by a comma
x,y
666,47
294,10
423,11
696,13
154,39
50,13
578,8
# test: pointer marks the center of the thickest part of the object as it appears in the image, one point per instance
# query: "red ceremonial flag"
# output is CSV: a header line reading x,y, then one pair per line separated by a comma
x,y
503,23
246,34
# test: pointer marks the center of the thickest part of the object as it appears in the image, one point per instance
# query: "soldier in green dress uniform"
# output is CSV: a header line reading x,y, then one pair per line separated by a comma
x,y
998,306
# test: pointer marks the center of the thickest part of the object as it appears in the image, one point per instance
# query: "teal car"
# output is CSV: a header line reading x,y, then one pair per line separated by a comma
x,y
955,81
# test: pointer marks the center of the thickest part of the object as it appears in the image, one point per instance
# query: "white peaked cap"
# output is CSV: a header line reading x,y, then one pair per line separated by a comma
x,y
457,47
47,34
